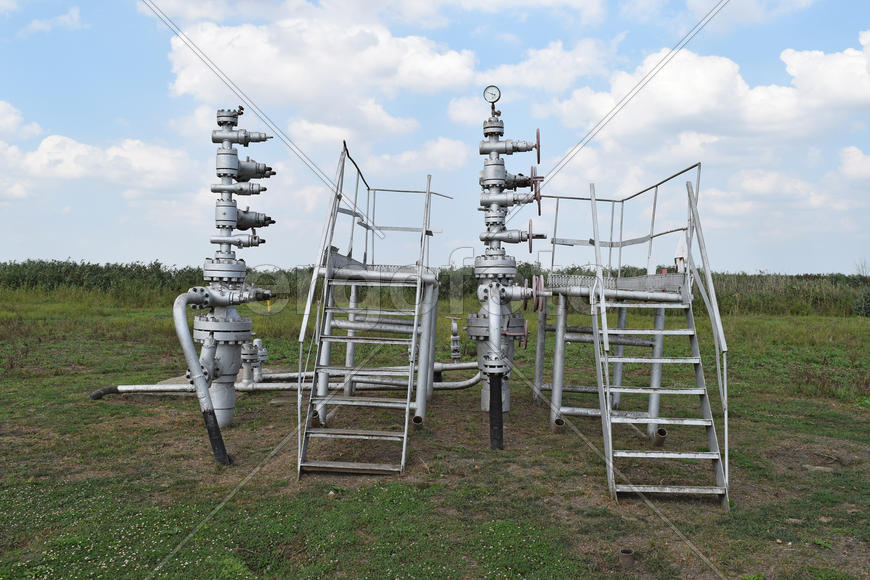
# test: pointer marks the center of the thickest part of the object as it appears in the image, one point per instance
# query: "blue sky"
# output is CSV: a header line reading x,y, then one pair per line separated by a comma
x,y
105,120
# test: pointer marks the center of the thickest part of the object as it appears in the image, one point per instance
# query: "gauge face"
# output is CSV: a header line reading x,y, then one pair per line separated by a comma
x,y
491,94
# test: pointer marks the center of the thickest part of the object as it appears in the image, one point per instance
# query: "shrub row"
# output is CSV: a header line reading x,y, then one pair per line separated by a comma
x,y
738,293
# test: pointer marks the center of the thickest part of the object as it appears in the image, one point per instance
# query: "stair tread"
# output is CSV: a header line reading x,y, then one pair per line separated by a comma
x,y
659,391
613,304
369,311
624,417
372,283
355,371
676,489
649,454
355,433
364,339
651,331
350,467
654,360
388,402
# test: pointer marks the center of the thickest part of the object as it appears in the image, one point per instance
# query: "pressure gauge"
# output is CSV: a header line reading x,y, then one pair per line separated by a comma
x,y
491,94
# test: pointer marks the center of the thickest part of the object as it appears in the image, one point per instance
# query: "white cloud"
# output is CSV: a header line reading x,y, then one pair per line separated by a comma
x,y
708,94
442,154
70,20
552,68
743,12
854,163
12,123
7,6
315,62
642,10
423,13
304,131
194,126
467,110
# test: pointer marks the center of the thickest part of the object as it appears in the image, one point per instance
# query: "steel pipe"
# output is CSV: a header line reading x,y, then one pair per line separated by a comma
x,y
179,316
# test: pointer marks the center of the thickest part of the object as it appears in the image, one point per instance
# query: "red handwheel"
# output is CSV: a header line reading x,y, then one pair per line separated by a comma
x,y
530,236
535,182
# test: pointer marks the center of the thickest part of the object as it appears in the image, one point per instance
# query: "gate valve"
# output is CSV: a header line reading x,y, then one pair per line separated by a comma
x,y
250,169
251,219
240,136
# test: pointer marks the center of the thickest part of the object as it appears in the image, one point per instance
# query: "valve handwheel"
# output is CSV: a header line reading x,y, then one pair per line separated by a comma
x,y
535,292
525,334
531,235
538,144
525,297
535,181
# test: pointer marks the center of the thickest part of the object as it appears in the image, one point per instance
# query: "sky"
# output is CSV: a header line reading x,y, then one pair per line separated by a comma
x,y
105,121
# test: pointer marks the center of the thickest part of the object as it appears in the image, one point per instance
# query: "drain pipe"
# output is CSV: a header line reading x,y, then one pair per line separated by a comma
x,y
179,315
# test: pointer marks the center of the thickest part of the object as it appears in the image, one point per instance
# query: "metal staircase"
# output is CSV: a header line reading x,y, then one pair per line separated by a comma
x,y
647,373
342,431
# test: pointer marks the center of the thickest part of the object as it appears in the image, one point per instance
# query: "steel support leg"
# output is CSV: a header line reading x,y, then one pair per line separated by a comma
x,y
619,350
558,363
540,348
655,379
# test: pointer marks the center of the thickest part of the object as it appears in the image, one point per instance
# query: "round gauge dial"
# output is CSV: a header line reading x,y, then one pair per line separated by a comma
x,y
491,94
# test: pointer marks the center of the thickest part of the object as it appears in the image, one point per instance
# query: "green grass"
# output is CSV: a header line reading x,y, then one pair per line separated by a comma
x,y
110,488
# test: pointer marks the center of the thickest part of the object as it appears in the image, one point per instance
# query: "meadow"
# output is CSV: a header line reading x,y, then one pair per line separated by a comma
x,y
126,486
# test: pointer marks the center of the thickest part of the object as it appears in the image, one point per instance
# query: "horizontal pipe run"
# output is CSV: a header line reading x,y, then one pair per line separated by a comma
x,y
438,368
583,291
380,276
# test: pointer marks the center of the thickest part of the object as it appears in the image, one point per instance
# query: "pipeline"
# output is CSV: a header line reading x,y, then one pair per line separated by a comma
x,y
368,384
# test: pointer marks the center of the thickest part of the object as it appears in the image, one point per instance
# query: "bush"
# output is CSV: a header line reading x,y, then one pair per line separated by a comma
x,y
862,303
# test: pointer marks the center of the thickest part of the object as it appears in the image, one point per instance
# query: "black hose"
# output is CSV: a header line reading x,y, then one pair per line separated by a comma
x,y
496,419
100,393
214,435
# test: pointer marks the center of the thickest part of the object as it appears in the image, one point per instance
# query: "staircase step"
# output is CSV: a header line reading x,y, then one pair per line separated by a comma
x,y
350,467
651,331
365,339
653,360
611,305
369,311
356,434
571,388
408,283
650,390
673,489
627,417
383,402
666,454
362,372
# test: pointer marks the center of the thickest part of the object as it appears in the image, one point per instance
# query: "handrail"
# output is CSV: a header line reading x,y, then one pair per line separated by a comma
x,y
662,182
705,263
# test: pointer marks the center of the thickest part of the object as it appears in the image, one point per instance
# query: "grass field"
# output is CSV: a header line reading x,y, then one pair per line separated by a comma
x,y
117,487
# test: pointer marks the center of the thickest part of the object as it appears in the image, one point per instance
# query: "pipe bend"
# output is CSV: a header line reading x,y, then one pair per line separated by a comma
x,y
179,317
100,393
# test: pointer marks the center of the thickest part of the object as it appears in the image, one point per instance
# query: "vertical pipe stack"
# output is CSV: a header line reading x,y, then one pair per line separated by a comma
x,y
496,271
221,330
